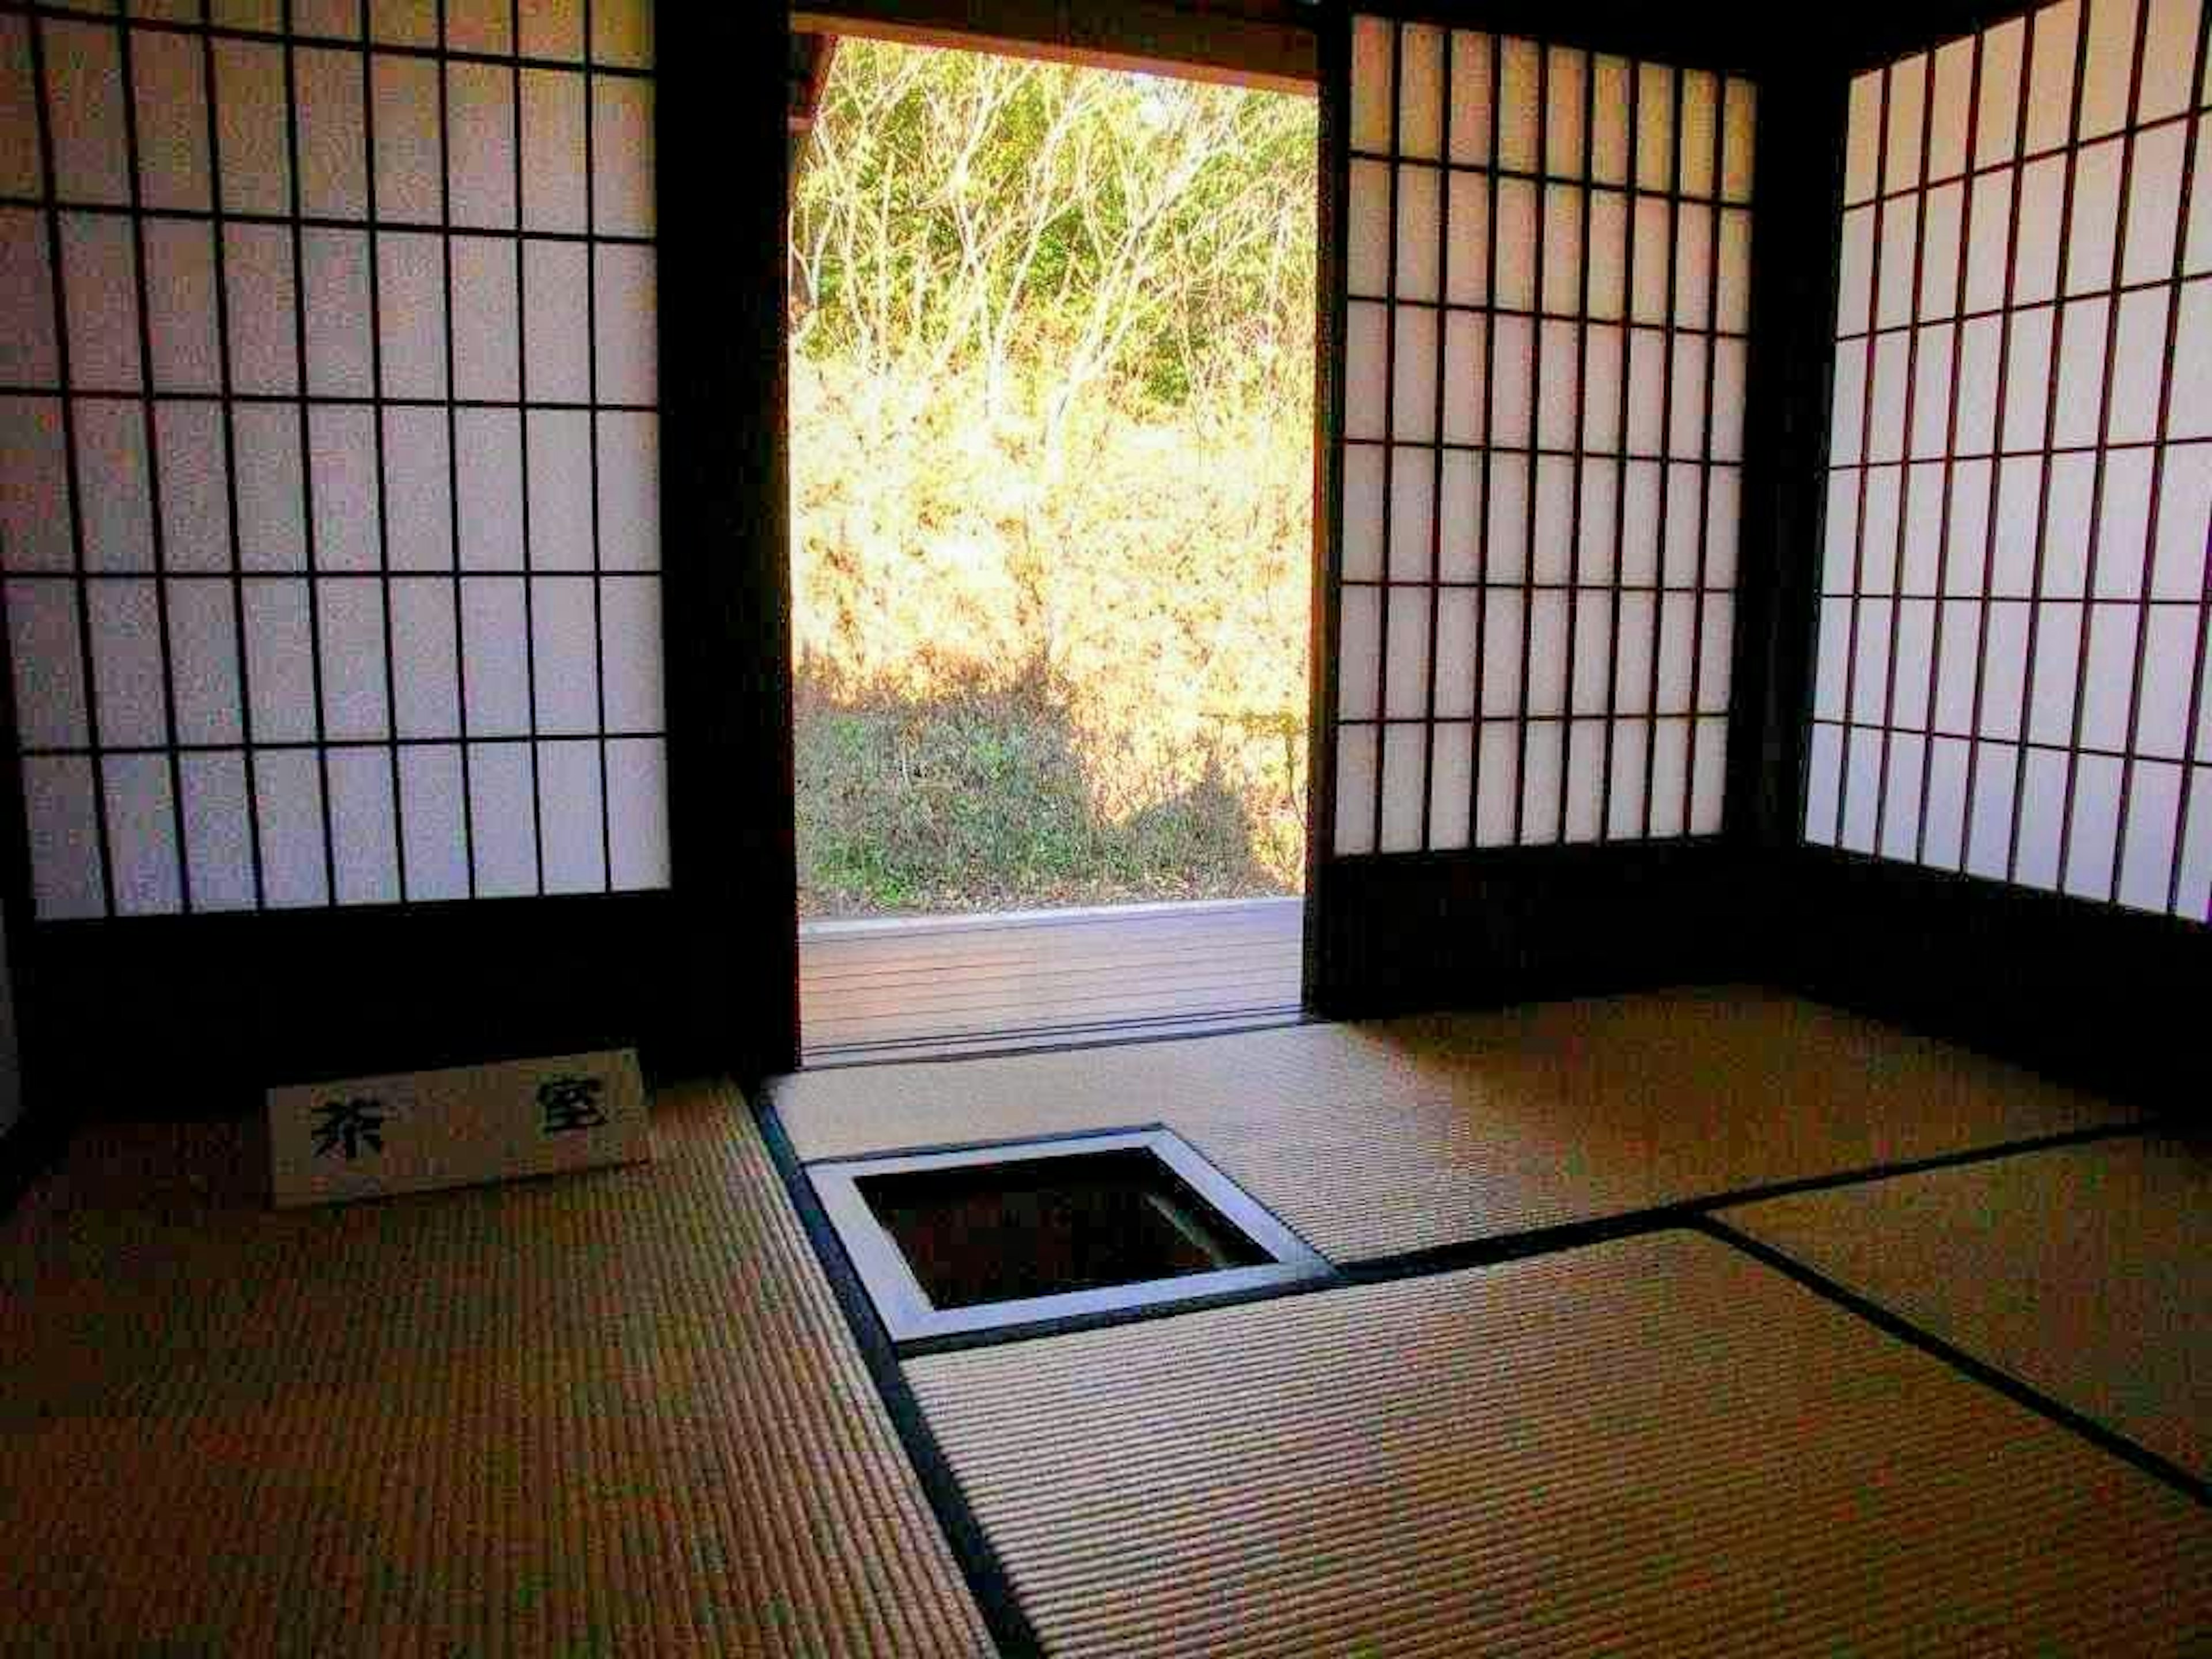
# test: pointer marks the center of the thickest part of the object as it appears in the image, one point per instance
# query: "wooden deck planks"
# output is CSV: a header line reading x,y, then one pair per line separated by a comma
x,y
915,985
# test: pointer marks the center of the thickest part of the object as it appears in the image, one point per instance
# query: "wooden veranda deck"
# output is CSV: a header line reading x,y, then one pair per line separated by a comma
x,y
912,987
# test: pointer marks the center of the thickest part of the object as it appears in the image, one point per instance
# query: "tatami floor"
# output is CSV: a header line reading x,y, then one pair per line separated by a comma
x,y
1711,1321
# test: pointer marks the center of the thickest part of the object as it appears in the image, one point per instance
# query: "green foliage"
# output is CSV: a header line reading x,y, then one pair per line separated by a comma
x,y
957,210
1051,405
976,799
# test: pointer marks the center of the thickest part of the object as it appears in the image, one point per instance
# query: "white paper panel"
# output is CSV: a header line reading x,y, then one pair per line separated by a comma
x,y
1374,54
203,664
412,313
494,641
2152,229
84,102
1497,781
1738,153
2106,74
1542,773
270,492
637,804
554,184
569,820
60,804
480,145
1467,251
1413,378
557,321
2054,32
99,278
181,293
1418,239
625,325
1367,236
259,282
404,92
170,94
564,663
1941,229
339,318
342,469
1520,109
1700,132
1709,790
1451,783
501,819
1411,521
112,471
622,155
333,134
128,694
28,354
1404,787
279,660
288,796
49,674
1356,783
434,821
488,473
551,28
195,491
218,844
1461,530
349,613
2093,243
2147,847
337,20
249,84
560,486
364,834
1625,794
1515,253
1908,98
1670,777
1366,370
20,170
140,834
2169,54
486,318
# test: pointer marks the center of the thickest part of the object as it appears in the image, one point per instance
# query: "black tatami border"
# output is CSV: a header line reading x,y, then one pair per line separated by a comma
x,y
1990,1376
1010,1631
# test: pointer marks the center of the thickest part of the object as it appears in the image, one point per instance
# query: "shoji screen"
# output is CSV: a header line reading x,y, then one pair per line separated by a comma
x,y
2011,676
1547,258
327,376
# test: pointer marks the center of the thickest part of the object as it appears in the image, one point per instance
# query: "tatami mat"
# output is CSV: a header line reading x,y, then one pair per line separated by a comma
x,y
610,1413
1653,1446
1376,1139
2084,1271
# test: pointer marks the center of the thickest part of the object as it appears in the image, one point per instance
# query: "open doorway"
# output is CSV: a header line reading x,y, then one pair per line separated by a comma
x,y
1052,380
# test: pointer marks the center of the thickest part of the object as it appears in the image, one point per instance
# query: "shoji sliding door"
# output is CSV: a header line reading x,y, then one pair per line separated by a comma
x,y
2014,620
2006,805
332,566
1539,460
330,380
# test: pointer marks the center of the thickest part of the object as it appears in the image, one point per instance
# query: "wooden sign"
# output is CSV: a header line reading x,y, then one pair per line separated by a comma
x,y
371,1137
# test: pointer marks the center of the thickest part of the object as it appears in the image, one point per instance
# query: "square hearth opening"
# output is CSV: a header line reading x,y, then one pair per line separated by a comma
x,y
951,1245
1049,1225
